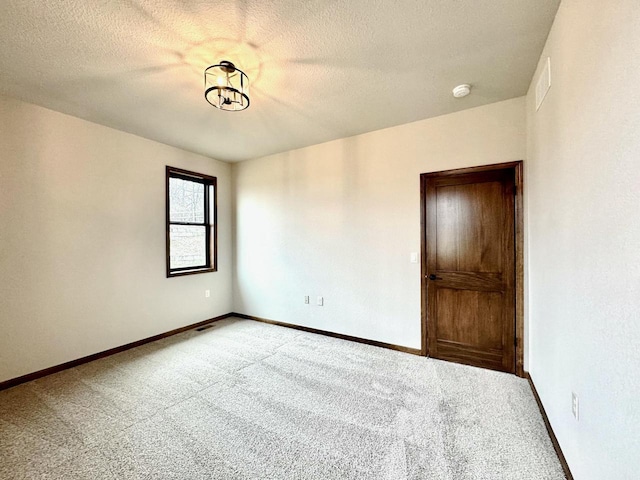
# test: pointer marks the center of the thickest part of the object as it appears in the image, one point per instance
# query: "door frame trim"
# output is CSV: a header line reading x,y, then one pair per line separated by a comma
x,y
517,167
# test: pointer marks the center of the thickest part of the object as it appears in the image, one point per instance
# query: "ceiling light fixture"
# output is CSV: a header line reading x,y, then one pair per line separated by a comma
x,y
462,90
226,87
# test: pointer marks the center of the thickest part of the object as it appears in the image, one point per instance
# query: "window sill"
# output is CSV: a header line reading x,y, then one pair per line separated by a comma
x,y
190,272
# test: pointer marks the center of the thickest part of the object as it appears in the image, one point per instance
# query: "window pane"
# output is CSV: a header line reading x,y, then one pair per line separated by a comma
x,y
187,246
186,201
212,196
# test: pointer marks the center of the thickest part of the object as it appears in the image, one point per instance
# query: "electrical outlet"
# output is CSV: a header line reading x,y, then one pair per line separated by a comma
x,y
306,299
207,293
320,301
575,406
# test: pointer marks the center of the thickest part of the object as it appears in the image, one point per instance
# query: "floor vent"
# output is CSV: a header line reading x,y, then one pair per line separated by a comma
x,y
204,327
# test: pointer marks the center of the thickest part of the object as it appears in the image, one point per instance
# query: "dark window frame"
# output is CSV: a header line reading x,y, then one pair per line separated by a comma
x,y
211,229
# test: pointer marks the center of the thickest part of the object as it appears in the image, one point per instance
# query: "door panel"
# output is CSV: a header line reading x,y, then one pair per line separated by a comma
x,y
470,247
465,230
470,318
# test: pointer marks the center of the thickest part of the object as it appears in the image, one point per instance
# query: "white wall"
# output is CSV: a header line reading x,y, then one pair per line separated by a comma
x,y
340,220
82,240
583,175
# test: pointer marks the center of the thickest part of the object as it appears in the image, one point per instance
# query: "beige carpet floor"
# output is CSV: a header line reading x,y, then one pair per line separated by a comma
x,y
245,400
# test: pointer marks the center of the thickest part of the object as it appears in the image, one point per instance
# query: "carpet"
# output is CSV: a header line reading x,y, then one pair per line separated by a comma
x,y
246,400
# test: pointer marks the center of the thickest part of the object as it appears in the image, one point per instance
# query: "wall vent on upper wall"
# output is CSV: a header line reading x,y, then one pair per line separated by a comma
x,y
544,83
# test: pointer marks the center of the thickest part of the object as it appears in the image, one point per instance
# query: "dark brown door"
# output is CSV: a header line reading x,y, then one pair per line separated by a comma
x,y
470,267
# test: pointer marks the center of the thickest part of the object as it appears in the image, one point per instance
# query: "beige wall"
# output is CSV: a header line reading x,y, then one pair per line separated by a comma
x,y
583,175
340,220
82,240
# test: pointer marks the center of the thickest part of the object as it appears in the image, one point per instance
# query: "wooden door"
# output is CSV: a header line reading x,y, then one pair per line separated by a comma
x,y
470,267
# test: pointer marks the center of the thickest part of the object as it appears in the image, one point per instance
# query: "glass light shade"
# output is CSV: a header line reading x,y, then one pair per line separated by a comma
x,y
226,87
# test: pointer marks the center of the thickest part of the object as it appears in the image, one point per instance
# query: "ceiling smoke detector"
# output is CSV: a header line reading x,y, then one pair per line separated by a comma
x,y
462,90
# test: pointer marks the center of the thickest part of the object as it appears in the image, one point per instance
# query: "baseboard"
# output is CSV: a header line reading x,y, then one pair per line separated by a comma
x,y
554,440
413,351
89,358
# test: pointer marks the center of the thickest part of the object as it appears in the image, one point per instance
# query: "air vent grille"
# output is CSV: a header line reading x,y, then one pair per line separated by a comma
x,y
544,83
204,327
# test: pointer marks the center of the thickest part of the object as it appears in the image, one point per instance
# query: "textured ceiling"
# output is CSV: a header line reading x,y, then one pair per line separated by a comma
x,y
320,70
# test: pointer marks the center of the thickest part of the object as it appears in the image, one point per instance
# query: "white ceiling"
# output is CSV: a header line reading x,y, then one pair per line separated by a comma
x,y
320,70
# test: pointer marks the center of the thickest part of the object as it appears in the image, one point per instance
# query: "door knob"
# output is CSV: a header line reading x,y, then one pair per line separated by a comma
x,y
433,277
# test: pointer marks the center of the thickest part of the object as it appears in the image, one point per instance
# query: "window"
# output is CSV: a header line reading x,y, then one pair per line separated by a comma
x,y
191,223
